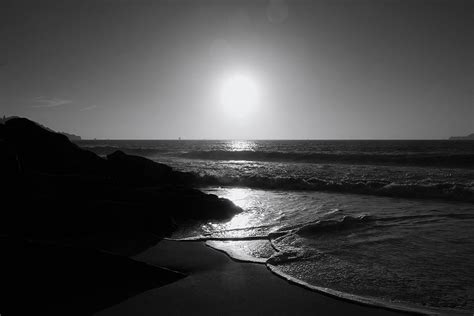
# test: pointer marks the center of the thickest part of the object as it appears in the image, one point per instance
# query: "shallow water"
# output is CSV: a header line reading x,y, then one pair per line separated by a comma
x,y
417,252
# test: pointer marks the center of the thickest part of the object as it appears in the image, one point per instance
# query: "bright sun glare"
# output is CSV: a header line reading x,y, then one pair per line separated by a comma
x,y
239,95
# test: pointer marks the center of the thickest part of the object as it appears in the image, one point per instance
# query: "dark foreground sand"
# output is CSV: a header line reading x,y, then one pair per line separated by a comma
x,y
217,285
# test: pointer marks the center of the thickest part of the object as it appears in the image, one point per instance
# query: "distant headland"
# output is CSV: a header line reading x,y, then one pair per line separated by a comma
x,y
468,137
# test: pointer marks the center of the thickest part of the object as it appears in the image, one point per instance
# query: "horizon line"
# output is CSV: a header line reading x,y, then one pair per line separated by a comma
x,y
268,139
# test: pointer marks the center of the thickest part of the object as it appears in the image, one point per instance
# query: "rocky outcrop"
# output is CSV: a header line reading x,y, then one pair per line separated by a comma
x,y
70,136
55,190
139,171
40,150
136,170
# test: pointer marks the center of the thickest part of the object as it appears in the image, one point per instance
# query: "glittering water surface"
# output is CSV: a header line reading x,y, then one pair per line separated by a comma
x,y
421,169
390,220
398,250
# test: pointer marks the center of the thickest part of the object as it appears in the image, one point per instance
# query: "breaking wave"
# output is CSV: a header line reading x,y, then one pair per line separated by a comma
x,y
414,159
425,159
448,191
327,226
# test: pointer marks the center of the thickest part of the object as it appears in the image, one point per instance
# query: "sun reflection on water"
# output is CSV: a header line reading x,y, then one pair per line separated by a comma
x,y
241,198
242,145
238,196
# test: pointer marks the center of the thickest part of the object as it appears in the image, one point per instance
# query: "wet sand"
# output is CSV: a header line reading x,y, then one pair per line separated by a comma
x,y
218,285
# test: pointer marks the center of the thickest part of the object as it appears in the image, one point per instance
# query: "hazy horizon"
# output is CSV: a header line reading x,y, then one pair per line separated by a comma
x,y
241,69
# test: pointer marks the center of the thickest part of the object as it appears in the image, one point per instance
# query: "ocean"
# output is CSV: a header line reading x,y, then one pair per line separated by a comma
x,y
384,222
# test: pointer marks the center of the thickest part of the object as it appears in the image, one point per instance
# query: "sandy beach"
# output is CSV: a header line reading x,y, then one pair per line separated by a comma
x,y
218,285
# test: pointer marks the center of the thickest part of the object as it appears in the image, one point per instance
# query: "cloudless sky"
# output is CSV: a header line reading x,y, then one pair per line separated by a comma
x,y
325,69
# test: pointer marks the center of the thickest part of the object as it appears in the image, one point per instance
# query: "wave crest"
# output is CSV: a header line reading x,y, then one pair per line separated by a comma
x,y
448,191
327,226
414,159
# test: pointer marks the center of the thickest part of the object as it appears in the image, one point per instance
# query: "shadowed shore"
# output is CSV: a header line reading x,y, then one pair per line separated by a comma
x,y
217,285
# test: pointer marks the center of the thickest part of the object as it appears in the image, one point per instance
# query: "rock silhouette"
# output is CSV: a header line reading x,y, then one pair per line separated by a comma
x,y
58,199
57,188
40,150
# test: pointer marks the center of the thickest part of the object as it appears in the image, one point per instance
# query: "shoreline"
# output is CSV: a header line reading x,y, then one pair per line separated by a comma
x,y
216,283
343,296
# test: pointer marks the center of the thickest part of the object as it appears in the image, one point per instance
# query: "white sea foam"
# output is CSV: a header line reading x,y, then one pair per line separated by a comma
x,y
340,214
242,251
393,251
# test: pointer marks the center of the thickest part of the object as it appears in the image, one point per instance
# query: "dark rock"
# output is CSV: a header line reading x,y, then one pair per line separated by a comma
x,y
139,171
187,203
136,170
41,150
57,191
9,164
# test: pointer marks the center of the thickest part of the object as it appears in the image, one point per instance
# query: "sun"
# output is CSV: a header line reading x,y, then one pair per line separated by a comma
x,y
239,95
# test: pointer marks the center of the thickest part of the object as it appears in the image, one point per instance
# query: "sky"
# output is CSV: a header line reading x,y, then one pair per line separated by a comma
x,y
328,69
